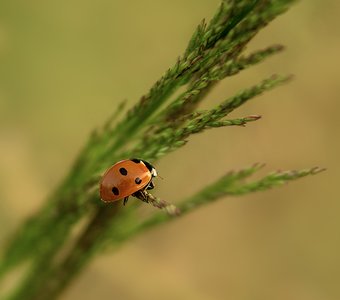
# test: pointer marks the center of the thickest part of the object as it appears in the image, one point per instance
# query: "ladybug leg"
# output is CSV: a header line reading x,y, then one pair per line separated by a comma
x,y
145,199
150,186
125,200
141,195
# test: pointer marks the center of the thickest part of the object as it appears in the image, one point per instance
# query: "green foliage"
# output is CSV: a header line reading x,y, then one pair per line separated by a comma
x,y
232,184
154,127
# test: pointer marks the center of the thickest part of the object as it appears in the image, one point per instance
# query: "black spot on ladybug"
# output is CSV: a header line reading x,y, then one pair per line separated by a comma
x,y
115,191
136,160
123,171
138,180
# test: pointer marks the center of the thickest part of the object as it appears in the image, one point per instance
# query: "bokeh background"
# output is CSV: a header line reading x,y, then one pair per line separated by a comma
x,y
64,65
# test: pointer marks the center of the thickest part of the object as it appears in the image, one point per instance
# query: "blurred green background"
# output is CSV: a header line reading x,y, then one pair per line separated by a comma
x,y
64,65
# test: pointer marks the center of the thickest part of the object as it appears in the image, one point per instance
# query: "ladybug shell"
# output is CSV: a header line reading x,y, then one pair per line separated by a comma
x,y
123,179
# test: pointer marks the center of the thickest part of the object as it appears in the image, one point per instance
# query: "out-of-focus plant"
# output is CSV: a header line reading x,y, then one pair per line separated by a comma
x,y
154,127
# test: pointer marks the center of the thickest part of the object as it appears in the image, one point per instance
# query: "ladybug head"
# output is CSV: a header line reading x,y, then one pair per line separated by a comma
x,y
150,167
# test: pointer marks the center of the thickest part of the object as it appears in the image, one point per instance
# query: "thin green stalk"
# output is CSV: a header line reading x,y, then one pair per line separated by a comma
x,y
229,185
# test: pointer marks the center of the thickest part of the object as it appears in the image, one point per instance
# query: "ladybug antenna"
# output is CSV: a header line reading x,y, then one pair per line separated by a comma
x,y
160,176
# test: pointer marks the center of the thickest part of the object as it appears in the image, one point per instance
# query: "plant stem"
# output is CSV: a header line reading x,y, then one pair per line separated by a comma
x,y
232,184
56,278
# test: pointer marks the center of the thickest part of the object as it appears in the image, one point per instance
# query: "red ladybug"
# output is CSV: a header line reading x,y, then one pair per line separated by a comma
x,y
125,178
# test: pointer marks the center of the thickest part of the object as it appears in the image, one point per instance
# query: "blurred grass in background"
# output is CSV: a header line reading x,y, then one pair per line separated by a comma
x,y
63,68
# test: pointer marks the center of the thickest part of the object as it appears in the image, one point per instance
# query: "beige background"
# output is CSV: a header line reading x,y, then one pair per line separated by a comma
x,y
65,65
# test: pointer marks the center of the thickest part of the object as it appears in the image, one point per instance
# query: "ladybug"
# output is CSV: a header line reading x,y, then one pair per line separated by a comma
x,y
126,178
